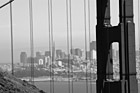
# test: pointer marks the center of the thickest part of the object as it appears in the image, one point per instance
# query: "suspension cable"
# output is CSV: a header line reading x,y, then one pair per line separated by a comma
x,y
138,25
12,47
31,40
71,43
89,45
139,29
68,44
6,3
52,41
85,23
49,26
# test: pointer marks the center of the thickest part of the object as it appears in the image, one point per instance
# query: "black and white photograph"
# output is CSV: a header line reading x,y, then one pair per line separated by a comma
x,y
69,46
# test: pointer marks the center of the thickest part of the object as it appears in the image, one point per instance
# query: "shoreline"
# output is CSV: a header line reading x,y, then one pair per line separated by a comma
x,y
56,79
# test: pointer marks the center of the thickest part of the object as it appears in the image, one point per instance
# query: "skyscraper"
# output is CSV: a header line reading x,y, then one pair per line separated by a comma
x,y
58,53
63,55
72,51
38,54
23,57
92,45
88,54
78,52
47,53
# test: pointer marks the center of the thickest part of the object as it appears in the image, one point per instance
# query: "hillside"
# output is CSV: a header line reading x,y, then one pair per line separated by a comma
x,y
10,84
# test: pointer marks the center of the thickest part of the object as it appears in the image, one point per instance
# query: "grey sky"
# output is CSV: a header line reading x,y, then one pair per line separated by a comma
x,y
40,9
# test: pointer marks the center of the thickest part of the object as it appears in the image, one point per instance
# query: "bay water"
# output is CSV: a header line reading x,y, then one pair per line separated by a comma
x,y
63,87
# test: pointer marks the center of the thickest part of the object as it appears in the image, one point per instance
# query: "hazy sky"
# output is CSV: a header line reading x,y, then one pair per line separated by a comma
x,y
40,14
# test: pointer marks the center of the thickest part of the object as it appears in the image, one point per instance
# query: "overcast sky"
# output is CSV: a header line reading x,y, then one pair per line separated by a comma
x,y
40,14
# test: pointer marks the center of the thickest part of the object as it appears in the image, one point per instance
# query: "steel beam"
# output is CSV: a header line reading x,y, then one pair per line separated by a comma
x,y
124,34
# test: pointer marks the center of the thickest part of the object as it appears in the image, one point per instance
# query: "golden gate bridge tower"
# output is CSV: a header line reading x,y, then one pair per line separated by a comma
x,y
124,34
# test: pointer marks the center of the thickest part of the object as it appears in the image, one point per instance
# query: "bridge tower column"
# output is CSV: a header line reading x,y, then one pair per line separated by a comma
x,y
124,34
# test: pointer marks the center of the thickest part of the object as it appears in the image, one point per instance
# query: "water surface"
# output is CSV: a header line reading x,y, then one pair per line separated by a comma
x,y
63,87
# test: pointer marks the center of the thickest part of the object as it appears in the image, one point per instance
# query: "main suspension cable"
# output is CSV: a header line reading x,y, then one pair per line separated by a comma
x,y
31,40
12,46
6,3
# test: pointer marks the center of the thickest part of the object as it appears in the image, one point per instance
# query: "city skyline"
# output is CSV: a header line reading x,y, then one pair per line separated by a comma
x,y
21,25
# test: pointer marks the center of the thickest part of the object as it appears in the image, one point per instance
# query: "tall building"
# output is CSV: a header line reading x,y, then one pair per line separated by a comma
x,y
38,54
88,54
39,59
78,52
72,51
59,54
47,61
47,53
23,57
63,55
31,60
92,45
93,54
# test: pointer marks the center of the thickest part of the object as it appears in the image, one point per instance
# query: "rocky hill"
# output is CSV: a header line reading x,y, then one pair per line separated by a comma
x,y
10,84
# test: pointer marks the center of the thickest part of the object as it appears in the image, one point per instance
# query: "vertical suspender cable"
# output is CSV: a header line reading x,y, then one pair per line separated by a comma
x,y
51,19
138,25
89,45
67,18
71,43
85,23
31,41
49,26
12,49
139,30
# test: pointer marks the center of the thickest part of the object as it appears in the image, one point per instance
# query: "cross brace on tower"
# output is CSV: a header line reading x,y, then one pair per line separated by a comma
x,y
124,34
